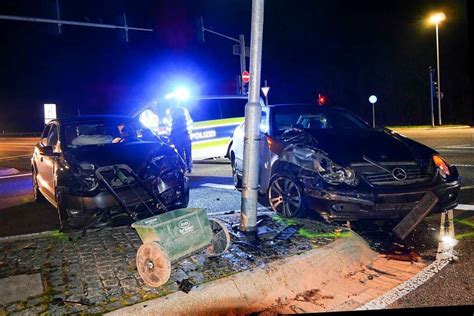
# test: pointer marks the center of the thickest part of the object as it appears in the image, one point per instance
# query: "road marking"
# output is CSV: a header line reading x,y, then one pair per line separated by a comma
x,y
14,157
455,150
462,165
465,207
459,146
16,176
467,187
406,287
444,256
218,186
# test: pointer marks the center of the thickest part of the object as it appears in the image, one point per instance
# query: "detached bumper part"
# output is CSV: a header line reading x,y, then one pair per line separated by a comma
x,y
414,218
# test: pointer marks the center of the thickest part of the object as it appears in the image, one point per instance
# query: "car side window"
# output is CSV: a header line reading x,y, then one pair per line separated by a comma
x,y
44,135
53,137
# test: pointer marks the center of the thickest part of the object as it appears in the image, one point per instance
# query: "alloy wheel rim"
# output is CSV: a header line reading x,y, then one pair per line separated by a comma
x,y
284,196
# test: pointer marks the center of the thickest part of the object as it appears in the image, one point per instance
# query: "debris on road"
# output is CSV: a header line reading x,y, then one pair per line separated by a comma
x,y
185,286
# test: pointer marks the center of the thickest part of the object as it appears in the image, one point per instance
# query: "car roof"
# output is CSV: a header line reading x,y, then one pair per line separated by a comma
x,y
86,118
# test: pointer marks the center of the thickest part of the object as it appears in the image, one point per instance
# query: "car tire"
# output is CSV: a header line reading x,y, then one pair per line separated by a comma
x,y
285,195
236,179
38,196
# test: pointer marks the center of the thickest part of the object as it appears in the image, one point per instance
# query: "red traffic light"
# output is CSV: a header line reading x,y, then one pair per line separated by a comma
x,y
321,99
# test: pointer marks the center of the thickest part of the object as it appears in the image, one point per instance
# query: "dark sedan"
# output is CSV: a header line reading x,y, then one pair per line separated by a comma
x,y
331,161
71,151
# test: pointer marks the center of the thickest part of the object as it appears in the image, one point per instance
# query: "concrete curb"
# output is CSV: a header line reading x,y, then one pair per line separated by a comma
x,y
8,171
261,288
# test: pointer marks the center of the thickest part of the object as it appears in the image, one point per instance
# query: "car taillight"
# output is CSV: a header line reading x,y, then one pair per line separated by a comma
x,y
442,165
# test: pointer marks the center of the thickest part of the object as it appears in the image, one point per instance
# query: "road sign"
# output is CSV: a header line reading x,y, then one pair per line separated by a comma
x,y
265,90
236,50
245,77
49,112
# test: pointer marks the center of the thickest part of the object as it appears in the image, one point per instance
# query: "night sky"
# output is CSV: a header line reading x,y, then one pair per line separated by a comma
x,y
346,50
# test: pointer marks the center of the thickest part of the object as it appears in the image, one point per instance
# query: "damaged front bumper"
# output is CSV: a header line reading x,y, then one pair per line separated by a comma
x,y
353,205
173,196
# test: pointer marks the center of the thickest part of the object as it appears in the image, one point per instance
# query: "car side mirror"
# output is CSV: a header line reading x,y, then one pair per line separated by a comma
x,y
48,151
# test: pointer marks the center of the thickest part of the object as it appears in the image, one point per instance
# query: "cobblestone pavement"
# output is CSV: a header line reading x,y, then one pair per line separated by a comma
x,y
96,273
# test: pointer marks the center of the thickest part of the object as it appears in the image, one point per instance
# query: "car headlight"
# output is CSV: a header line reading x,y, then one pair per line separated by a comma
x,y
166,162
332,173
442,165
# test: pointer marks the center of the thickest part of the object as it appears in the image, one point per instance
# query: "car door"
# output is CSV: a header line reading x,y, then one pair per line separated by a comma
x,y
264,154
39,159
48,163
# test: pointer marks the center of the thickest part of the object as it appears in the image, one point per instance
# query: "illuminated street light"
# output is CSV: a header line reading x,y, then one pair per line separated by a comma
x,y
373,100
436,19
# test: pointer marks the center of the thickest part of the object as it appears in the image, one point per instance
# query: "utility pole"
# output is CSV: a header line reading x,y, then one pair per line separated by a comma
x,y
240,49
432,70
248,214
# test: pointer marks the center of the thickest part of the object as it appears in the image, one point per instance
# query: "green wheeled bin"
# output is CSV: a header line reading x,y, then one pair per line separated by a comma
x,y
175,235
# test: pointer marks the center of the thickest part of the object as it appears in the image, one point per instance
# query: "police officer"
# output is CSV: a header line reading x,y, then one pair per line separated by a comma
x,y
180,134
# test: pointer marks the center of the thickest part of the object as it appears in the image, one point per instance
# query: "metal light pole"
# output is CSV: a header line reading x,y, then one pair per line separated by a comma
x,y
436,19
248,214
373,99
432,97
438,73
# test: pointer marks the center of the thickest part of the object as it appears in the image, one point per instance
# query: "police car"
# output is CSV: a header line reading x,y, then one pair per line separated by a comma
x,y
214,119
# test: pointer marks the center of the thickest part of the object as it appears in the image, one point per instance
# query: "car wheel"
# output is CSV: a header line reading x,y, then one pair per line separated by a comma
x,y
38,196
235,177
285,196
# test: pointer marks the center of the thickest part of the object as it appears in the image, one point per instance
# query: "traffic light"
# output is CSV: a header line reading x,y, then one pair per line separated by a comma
x,y
321,99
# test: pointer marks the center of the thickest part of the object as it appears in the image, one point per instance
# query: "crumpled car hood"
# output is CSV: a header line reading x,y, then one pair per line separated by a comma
x,y
350,146
137,155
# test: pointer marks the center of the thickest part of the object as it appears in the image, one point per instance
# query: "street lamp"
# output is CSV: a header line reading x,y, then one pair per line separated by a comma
x,y
436,19
373,100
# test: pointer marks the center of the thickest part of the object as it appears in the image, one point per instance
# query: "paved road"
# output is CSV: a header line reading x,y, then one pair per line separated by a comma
x,y
211,187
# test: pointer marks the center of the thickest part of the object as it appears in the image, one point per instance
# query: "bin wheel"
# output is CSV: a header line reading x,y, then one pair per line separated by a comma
x,y
220,238
153,264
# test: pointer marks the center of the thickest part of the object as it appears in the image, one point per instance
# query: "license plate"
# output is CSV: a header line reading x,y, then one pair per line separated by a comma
x,y
416,215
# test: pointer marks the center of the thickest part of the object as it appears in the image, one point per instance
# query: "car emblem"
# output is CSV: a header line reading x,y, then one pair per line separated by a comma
x,y
399,174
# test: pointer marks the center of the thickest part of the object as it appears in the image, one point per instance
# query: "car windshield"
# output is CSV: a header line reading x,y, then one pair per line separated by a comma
x,y
101,132
311,118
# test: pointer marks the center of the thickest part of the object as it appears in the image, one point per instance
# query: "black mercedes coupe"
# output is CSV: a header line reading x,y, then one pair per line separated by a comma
x,y
329,160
